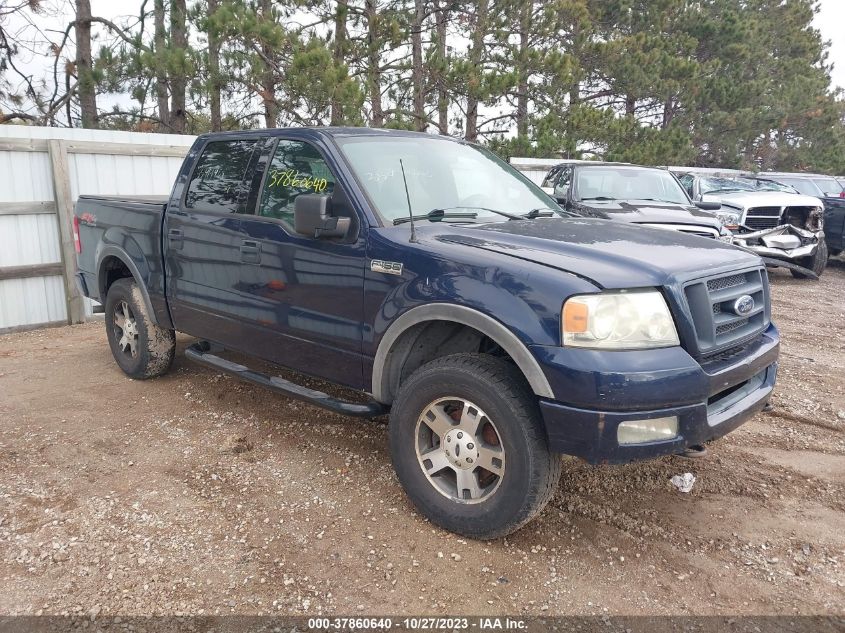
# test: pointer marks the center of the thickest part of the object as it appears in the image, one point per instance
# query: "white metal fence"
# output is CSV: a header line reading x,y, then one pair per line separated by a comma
x,y
534,168
42,171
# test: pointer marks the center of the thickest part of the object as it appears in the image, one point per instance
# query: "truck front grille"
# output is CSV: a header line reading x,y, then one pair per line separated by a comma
x,y
718,325
760,218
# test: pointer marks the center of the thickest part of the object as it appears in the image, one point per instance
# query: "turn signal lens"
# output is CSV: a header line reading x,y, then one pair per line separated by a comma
x,y
575,317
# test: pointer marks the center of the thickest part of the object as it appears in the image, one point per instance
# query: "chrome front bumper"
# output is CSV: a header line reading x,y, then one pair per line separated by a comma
x,y
781,242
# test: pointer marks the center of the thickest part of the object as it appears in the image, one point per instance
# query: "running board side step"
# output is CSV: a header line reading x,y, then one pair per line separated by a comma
x,y
199,352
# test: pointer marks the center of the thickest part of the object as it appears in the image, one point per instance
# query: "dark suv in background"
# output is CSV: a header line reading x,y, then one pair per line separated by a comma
x,y
647,196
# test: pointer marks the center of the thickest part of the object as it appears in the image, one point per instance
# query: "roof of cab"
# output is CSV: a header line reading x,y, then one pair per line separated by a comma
x,y
331,131
601,163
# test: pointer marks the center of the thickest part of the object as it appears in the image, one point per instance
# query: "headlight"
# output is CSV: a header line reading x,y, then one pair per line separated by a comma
x,y
815,221
635,319
729,219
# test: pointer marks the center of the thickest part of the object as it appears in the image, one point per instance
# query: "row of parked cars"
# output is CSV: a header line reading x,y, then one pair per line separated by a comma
x,y
794,221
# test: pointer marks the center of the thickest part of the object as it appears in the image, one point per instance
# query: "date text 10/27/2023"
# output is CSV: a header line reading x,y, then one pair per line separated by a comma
x,y
424,623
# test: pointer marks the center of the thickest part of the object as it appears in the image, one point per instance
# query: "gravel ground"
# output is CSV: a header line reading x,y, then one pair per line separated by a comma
x,y
199,494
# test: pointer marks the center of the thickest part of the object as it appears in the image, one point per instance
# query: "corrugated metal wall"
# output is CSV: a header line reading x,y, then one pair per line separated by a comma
x,y
534,168
29,232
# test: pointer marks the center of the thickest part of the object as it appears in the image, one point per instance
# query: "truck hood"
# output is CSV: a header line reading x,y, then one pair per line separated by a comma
x,y
609,254
747,199
648,211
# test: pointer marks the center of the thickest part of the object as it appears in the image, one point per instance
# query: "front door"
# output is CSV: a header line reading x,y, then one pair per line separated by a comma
x,y
303,295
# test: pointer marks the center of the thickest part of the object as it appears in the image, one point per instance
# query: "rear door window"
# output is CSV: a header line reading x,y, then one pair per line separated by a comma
x,y
217,181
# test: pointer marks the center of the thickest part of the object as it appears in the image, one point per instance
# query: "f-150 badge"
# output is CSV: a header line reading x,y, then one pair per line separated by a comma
x,y
381,266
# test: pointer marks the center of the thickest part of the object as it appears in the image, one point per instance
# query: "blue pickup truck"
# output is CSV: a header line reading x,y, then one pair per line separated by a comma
x,y
446,289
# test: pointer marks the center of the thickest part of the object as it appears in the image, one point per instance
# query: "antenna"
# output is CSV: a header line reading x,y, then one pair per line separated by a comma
x,y
408,197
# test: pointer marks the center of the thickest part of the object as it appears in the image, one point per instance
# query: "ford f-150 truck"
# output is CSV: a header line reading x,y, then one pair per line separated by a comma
x,y
445,288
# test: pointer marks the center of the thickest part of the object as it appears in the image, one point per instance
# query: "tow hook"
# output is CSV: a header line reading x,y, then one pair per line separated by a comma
x,y
695,451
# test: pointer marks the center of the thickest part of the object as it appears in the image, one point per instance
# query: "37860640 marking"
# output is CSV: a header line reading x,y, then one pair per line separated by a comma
x,y
350,624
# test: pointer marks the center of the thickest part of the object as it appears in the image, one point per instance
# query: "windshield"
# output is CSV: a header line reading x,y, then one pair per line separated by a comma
x,y
828,185
718,185
626,183
803,185
441,175
768,185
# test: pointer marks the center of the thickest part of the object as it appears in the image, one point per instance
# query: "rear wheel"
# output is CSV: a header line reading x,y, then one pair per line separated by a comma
x,y
141,348
816,262
469,448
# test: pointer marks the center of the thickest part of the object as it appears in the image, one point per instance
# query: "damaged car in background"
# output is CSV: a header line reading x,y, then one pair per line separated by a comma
x,y
785,229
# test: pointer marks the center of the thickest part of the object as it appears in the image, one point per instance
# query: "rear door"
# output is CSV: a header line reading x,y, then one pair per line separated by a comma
x,y
303,296
202,242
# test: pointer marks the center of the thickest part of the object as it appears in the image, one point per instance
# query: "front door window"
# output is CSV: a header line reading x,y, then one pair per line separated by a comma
x,y
296,169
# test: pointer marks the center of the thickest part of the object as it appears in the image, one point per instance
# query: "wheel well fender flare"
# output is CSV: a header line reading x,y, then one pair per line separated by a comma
x,y
470,317
107,251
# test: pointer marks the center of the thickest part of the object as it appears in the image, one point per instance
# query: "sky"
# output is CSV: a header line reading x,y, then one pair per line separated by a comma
x,y
831,22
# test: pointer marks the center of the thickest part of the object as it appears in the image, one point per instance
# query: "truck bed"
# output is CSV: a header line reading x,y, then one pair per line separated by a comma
x,y
157,201
124,229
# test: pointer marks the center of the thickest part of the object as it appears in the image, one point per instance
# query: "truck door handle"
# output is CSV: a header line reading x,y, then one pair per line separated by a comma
x,y
174,238
250,252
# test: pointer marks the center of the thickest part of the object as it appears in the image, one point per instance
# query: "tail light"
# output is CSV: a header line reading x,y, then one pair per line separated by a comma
x,y
842,194
77,243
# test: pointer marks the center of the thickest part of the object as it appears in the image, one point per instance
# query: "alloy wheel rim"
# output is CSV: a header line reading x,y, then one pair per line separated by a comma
x,y
460,451
126,329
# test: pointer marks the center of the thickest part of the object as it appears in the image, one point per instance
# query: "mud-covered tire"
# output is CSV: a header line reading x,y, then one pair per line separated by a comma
x,y
490,389
140,348
817,262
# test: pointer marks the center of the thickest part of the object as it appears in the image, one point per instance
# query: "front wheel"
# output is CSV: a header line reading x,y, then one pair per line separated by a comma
x,y
816,262
140,347
469,447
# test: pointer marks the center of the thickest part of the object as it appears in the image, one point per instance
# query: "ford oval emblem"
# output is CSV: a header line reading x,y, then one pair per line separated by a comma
x,y
744,305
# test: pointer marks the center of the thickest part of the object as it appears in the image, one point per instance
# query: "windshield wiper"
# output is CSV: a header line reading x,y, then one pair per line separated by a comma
x,y
725,190
435,215
512,216
598,198
539,212
658,200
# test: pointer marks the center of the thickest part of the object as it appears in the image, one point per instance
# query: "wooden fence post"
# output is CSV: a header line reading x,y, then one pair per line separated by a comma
x,y
64,215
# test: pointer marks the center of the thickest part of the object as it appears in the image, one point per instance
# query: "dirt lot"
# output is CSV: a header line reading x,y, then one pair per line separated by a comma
x,y
198,494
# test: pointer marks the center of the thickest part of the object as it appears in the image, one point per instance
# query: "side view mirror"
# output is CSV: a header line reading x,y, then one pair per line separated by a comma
x,y
312,217
708,206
